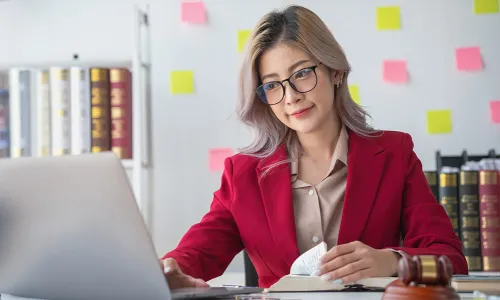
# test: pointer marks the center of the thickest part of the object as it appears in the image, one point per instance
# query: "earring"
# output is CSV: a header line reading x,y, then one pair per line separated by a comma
x,y
339,83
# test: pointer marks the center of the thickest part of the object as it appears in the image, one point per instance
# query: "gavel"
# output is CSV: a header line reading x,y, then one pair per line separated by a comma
x,y
422,277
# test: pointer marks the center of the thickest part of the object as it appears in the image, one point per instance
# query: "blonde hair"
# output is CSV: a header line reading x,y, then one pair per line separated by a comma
x,y
297,26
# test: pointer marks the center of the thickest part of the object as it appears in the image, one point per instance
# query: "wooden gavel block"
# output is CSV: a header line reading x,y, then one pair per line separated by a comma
x,y
422,277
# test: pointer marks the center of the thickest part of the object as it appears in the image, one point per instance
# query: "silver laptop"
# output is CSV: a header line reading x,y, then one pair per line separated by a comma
x,y
70,229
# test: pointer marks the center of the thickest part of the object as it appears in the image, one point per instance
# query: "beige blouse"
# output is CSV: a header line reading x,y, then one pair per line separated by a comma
x,y
318,209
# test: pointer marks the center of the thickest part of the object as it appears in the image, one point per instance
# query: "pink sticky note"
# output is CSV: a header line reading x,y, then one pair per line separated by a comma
x,y
495,111
395,71
193,12
216,158
469,59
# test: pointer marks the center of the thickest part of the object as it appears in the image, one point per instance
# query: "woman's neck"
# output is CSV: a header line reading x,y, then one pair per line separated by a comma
x,y
321,143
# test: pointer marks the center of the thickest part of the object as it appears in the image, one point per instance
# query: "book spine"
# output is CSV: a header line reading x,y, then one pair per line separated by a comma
x,y
448,191
25,112
60,111
80,111
100,110
121,112
4,116
14,113
44,114
431,177
469,221
85,112
490,219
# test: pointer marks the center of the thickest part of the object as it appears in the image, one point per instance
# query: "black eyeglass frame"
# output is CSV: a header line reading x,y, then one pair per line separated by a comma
x,y
313,68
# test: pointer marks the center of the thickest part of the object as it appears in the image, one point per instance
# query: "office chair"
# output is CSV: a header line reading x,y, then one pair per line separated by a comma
x,y
251,277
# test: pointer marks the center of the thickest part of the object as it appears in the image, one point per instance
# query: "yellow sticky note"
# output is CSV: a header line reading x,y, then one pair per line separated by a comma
x,y
354,91
485,6
181,82
243,36
388,18
439,121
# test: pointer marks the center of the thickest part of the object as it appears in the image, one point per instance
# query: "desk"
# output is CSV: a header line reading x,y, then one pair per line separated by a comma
x,y
306,296
339,296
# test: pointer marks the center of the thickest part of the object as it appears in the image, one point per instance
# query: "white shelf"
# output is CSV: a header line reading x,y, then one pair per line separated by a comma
x,y
128,163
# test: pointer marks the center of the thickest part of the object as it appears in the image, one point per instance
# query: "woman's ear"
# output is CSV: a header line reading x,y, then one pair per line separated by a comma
x,y
336,77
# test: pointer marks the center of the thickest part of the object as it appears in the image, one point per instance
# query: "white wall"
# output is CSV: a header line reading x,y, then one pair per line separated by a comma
x,y
185,127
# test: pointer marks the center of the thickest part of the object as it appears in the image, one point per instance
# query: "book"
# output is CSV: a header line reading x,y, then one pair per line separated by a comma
x,y
303,278
448,195
489,186
100,110
469,212
121,112
44,115
60,111
469,283
4,116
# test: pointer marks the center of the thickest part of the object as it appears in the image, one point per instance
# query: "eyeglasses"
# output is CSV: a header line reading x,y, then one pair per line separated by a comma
x,y
302,81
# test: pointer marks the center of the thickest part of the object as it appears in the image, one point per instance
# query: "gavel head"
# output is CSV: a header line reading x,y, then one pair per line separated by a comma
x,y
425,270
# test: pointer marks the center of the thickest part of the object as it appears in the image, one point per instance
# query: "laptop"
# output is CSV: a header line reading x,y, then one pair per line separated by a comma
x,y
70,228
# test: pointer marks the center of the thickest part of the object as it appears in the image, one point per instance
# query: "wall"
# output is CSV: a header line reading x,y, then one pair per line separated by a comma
x,y
185,127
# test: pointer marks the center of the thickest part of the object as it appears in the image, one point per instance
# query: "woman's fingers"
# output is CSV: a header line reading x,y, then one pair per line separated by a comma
x,y
177,279
339,262
350,272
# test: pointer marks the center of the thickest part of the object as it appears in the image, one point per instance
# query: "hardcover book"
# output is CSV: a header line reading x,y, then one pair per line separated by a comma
x,y
302,276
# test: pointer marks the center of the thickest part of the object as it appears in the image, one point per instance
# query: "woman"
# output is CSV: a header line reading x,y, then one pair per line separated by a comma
x,y
315,172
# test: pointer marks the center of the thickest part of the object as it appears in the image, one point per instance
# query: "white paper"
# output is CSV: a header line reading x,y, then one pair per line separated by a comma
x,y
308,262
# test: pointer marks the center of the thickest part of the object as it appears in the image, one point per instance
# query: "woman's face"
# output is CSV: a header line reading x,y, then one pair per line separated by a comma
x,y
302,112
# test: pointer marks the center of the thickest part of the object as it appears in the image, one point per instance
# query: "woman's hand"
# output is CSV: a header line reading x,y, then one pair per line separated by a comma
x,y
354,261
176,278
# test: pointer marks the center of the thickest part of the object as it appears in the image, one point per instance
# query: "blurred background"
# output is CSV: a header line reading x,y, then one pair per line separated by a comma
x,y
157,82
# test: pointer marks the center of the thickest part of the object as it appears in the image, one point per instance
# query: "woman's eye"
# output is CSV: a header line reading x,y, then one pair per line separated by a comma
x,y
270,86
303,73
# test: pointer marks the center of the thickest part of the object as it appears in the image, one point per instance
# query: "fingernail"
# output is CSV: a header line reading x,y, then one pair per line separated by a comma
x,y
338,281
325,277
166,269
315,273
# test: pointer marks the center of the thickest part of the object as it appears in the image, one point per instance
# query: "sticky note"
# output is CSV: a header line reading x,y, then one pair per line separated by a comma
x,y
468,59
439,121
485,6
216,158
388,18
395,71
193,12
243,36
495,111
181,82
354,91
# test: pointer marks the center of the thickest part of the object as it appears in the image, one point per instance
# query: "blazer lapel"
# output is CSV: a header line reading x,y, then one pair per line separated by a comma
x,y
276,190
365,161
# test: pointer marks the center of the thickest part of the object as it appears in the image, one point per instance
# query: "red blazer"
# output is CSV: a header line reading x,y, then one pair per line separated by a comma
x,y
386,194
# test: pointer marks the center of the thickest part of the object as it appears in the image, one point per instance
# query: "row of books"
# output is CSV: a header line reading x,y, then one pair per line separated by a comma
x,y
471,197
60,111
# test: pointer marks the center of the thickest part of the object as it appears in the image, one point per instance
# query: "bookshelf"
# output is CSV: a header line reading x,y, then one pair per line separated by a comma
x,y
458,160
139,66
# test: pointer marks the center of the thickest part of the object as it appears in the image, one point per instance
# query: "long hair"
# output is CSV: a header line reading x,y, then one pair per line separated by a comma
x,y
299,27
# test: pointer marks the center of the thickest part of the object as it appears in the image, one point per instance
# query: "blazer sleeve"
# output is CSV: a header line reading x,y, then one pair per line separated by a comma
x,y
209,246
427,229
